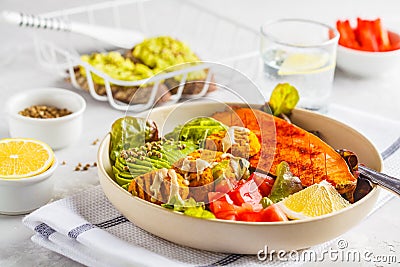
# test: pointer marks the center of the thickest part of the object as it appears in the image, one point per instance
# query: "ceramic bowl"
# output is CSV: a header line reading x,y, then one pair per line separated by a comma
x,y
21,196
243,237
369,64
56,132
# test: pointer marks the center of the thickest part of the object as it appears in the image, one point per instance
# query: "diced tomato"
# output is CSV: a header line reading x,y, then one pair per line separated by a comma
x,y
246,192
250,216
248,213
221,205
212,196
273,214
264,183
224,208
243,202
225,185
226,215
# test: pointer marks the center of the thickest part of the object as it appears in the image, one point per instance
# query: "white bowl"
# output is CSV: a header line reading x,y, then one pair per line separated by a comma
x,y
56,132
368,64
244,237
21,196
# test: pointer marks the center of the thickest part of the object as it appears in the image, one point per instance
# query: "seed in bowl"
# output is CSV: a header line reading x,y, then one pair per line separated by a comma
x,y
44,112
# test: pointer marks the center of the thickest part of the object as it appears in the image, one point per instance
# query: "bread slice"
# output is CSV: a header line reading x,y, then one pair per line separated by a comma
x,y
193,87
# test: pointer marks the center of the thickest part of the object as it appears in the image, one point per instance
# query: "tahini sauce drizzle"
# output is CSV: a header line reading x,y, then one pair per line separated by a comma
x,y
158,180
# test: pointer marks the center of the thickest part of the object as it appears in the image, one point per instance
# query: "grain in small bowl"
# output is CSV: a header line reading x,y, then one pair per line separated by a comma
x,y
368,49
52,115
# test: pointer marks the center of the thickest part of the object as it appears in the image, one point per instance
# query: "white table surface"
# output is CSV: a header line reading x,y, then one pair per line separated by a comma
x,y
380,96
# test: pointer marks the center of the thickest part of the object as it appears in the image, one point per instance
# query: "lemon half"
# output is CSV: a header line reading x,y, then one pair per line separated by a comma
x,y
22,158
316,200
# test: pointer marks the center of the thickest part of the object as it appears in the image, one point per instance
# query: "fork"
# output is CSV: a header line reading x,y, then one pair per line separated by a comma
x,y
122,38
381,179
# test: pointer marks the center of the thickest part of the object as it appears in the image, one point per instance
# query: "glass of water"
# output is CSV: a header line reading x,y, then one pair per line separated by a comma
x,y
303,53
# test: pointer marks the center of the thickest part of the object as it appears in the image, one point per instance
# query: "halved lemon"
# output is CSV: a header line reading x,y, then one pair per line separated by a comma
x,y
22,158
316,200
304,63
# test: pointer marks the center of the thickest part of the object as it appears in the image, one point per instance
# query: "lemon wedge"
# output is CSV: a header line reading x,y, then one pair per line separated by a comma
x,y
22,158
304,64
316,200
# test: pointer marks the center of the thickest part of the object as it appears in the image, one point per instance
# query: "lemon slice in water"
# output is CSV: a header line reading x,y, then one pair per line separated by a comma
x,y
304,64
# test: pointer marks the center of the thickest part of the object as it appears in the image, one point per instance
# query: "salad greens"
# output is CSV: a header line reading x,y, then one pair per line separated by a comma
x,y
285,183
196,130
189,207
283,99
130,132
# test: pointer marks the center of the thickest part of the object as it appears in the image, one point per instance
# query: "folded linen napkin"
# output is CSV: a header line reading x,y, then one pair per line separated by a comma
x,y
89,230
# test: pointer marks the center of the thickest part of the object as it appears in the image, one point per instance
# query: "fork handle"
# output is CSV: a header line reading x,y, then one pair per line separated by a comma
x,y
381,179
118,37
26,20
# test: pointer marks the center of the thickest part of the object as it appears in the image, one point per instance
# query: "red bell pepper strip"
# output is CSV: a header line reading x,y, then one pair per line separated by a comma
x,y
394,41
366,36
369,35
347,36
381,34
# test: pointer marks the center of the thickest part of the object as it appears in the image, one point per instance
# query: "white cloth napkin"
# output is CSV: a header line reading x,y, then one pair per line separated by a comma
x,y
89,230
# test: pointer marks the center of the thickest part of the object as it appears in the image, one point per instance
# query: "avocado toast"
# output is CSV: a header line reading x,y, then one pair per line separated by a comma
x,y
151,57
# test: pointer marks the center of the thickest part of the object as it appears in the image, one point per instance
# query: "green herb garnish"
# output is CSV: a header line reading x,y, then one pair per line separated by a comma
x,y
283,99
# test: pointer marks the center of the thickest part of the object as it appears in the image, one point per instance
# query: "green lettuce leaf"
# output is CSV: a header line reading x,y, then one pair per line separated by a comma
x,y
285,183
199,212
129,132
266,202
189,207
196,130
283,99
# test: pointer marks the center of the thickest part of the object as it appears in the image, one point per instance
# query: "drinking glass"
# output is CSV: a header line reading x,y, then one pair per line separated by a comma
x,y
303,53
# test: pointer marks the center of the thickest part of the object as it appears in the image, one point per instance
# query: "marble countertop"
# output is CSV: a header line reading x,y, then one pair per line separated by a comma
x,y
380,96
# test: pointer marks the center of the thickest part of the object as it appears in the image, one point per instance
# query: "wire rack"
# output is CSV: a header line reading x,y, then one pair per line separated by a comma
x,y
214,38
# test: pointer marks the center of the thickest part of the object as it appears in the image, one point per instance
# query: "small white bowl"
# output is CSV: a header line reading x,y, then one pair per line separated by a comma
x,y
368,64
21,196
56,132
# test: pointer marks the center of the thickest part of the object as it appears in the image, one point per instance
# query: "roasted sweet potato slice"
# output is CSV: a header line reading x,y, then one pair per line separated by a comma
x,y
309,158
